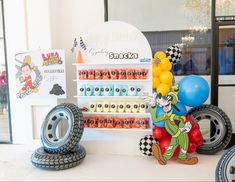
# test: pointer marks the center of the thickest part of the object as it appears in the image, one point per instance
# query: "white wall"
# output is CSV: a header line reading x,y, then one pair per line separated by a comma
x,y
43,24
69,18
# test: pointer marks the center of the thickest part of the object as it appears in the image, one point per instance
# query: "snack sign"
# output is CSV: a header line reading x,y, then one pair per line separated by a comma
x,y
40,74
108,43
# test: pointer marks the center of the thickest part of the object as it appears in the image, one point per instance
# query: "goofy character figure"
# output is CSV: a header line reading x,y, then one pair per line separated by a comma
x,y
175,126
26,76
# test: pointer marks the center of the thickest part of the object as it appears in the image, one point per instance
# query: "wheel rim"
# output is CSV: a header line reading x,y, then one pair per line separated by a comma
x,y
218,135
56,117
228,171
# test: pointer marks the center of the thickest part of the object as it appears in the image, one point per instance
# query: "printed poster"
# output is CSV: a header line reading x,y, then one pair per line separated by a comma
x,y
40,74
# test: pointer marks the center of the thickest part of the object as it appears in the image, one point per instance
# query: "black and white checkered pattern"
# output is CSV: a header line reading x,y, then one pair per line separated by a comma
x,y
82,44
146,145
174,53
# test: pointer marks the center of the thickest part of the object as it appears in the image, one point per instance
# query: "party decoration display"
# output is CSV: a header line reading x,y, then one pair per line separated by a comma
x,y
110,90
194,90
159,55
159,113
40,74
181,111
225,168
64,149
219,121
116,122
120,107
145,145
194,135
174,54
57,90
176,126
162,76
113,74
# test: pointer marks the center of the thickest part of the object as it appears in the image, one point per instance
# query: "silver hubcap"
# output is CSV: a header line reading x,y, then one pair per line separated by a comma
x,y
207,120
50,130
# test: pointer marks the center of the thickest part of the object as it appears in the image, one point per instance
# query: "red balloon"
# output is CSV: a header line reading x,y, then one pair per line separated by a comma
x,y
164,144
160,133
194,124
196,136
192,147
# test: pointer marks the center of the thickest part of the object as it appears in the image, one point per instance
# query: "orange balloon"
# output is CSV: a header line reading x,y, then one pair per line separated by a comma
x,y
159,55
166,66
163,88
166,77
156,82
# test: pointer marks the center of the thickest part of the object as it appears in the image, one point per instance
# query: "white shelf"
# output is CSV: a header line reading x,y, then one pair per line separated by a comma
x,y
108,97
120,129
89,81
100,64
117,113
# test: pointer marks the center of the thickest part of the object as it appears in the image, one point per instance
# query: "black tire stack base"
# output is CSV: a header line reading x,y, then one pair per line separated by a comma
x,y
60,153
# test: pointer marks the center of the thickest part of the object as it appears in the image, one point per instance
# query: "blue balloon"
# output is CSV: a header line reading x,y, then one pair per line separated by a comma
x,y
159,113
193,90
181,107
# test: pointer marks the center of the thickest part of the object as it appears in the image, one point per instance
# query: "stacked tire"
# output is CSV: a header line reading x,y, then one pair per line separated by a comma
x,y
64,152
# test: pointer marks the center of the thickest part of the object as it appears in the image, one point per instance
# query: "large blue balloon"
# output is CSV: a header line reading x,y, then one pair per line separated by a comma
x,y
159,113
181,107
194,90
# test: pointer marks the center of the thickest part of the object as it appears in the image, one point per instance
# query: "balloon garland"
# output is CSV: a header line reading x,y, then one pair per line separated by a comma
x,y
162,76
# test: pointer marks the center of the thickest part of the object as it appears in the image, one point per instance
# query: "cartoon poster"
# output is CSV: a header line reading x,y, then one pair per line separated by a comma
x,y
40,74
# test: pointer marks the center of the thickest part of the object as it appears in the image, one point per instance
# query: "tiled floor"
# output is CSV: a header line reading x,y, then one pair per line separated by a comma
x,y
15,165
4,127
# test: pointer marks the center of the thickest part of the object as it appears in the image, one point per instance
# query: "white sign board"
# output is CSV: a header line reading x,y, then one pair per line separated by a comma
x,y
40,74
115,42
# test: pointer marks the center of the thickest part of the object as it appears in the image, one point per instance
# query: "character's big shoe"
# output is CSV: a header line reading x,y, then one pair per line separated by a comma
x,y
189,161
21,91
34,90
158,154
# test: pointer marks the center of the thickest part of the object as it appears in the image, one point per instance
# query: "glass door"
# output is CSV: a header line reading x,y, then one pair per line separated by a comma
x,y
223,67
5,126
226,72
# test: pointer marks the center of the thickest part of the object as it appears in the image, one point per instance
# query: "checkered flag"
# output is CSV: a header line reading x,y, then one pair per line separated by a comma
x,y
174,54
82,44
146,143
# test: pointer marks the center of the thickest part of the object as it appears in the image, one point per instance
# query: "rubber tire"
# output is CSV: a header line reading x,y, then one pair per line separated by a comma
x,y
75,134
220,172
40,158
225,121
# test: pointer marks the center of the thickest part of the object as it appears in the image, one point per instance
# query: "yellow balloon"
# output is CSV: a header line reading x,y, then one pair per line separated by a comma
x,y
170,84
156,82
156,70
166,66
165,60
166,77
163,88
159,55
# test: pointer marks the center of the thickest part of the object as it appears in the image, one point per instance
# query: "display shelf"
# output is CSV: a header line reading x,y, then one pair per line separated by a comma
x,y
121,129
112,81
108,97
104,64
117,113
